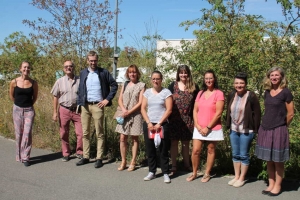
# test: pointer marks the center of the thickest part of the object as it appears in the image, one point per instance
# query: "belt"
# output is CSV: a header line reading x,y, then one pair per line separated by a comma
x,y
73,109
92,102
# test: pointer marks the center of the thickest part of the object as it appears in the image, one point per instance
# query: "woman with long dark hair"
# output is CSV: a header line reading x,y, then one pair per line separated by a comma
x,y
184,92
207,113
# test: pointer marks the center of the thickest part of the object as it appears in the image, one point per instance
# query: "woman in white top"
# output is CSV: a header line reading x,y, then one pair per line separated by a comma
x,y
156,108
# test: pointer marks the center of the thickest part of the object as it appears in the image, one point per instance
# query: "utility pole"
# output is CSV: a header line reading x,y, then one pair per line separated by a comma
x,y
116,55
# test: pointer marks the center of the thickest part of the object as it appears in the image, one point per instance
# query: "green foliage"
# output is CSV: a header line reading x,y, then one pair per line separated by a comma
x,y
230,41
76,27
15,49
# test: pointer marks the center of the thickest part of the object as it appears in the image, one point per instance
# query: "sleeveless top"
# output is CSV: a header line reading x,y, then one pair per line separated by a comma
x,y
23,96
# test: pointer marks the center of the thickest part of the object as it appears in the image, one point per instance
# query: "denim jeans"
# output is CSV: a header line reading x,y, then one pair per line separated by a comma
x,y
240,144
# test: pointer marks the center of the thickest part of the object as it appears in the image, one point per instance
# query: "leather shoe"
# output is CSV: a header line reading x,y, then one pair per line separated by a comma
x,y
83,161
26,163
273,194
265,192
98,163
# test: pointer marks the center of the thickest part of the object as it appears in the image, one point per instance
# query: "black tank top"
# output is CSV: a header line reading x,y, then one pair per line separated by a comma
x,y
23,96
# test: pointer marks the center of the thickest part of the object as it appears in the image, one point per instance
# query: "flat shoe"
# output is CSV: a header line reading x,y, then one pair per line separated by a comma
x,y
205,178
273,194
191,178
265,192
231,182
238,183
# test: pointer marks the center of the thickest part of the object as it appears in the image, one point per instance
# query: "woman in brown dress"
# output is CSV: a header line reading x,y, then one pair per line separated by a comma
x,y
130,101
181,120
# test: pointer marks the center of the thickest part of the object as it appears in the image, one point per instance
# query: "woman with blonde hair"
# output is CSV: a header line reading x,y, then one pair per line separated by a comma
x,y
23,92
130,101
273,138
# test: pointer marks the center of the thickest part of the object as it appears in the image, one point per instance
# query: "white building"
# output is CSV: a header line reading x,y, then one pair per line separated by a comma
x,y
173,43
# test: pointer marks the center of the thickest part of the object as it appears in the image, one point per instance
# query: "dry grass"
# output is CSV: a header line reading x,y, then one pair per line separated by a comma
x,y
46,132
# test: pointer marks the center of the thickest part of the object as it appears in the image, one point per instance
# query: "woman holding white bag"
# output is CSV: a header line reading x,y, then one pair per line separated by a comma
x,y
156,108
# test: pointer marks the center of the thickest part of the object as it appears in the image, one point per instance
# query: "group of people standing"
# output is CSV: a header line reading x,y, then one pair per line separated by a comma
x,y
185,113
181,112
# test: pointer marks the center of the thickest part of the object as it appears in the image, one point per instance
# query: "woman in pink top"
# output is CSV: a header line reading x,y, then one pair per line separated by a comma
x,y
207,113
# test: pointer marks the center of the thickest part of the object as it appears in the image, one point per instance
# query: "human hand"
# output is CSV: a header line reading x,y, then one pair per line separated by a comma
x,y
204,131
157,127
150,126
103,103
198,128
125,113
54,117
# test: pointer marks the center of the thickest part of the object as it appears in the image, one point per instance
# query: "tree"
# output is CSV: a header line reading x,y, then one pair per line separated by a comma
x,y
228,41
15,49
77,27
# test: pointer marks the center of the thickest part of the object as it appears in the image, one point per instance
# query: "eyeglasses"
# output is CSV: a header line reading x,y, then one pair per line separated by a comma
x,y
66,66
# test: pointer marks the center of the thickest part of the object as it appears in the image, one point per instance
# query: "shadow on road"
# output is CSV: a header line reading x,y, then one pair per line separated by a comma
x,y
45,158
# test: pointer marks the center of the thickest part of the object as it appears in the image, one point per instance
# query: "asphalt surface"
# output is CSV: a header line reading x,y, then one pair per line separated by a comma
x,y
50,178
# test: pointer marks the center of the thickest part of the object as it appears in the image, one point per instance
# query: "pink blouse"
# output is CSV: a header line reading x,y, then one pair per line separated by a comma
x,y
207,108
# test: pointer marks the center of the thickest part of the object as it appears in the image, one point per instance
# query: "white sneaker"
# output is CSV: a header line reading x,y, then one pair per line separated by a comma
x,y
149,177
167,178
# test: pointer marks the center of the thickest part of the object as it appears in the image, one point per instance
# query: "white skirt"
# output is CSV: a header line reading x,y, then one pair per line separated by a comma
x,y
214,135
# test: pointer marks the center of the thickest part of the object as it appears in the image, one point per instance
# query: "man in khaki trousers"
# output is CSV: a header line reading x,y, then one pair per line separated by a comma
x,y
97,88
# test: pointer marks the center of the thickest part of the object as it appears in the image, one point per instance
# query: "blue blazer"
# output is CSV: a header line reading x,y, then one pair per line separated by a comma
x,y
109,86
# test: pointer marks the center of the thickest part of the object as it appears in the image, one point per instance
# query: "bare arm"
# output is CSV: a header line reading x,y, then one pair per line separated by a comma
x,y
290,112
138,105
216,118
55,108
167,113
195,113
12,89
35,91
120,102
144,112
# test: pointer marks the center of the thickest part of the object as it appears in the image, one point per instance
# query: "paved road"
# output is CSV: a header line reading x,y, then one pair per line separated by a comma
x,y
50,178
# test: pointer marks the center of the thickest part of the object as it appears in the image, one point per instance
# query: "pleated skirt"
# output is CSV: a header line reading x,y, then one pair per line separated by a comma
x,y
273,145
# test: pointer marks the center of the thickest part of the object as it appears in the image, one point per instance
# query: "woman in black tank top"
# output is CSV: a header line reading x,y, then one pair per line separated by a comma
x,y
23,92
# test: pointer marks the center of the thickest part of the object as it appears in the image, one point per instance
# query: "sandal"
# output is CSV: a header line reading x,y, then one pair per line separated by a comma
x,y
205,178
122,167
131,167
191,178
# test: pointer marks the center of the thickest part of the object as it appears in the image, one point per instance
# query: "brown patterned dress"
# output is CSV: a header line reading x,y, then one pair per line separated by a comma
x,y
181,119
133,124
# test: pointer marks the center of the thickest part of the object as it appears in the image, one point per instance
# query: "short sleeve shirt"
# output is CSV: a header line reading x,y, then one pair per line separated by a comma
x,y
207,108
275,109
156,104
66,90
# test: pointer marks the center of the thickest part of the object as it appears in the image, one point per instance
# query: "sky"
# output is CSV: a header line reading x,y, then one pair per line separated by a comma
x,y
166,16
